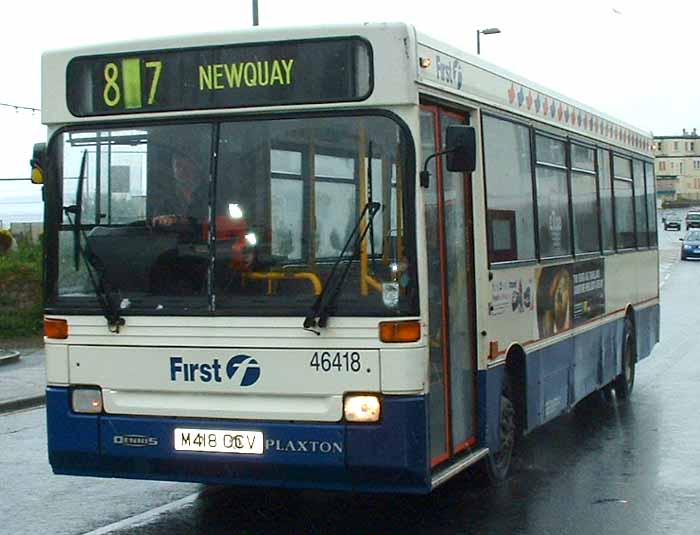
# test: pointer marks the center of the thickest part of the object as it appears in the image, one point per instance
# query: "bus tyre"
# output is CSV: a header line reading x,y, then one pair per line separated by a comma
x,y
625,381
498,462
607,391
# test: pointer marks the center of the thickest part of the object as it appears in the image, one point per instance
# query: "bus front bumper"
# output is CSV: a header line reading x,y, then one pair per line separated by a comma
x,y
390,456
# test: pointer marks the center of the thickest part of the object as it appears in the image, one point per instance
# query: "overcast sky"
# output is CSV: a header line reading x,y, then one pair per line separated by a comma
x,y
634,60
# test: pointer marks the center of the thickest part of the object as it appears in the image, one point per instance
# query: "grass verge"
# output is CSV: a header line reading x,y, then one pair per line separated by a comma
x,y
20,292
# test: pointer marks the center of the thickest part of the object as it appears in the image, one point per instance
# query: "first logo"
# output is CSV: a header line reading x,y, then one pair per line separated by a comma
x,y
241,369
245,368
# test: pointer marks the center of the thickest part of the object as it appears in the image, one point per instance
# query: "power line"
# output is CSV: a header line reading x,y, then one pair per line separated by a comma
x,y
17,107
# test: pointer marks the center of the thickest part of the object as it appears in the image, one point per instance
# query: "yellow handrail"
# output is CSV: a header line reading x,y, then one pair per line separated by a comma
x,y
374,283
278,275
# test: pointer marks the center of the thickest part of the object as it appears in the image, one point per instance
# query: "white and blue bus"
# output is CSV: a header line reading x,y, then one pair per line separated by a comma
x,y
345,258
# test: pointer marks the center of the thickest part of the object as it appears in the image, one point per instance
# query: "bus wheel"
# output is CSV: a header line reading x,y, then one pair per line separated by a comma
x,y
607,392
498,462
625,381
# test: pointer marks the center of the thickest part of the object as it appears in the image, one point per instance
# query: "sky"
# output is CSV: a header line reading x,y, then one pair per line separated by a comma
x,y
633,60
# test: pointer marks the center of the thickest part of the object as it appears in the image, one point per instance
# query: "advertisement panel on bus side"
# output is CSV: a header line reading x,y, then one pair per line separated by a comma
x,y
569,295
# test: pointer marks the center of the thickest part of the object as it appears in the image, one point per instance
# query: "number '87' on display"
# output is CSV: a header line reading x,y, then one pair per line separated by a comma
x,y
123,84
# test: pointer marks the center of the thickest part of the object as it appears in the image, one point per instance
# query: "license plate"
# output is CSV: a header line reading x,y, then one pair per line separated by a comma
x,y
219,441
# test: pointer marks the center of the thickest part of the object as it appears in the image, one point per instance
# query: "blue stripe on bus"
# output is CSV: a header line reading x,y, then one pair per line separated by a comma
x,y
390,456
395,450
489,385
648,335
561,375
72,438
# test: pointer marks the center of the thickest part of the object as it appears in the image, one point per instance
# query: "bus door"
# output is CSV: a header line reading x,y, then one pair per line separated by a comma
x,y
448,221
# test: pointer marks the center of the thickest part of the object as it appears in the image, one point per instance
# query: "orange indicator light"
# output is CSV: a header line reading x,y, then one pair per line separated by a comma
x,y
55,328
399,331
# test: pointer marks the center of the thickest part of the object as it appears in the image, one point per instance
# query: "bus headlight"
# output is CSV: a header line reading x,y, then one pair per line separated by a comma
x,y
362,408
87,400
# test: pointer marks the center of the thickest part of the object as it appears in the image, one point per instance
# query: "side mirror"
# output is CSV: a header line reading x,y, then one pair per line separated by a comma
x,y
38,163
461,148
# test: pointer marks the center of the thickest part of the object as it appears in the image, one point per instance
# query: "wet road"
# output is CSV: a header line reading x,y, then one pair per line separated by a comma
x,y
613,468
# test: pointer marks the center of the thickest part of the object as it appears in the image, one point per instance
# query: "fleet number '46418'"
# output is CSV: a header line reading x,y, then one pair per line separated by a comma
x,y
325,361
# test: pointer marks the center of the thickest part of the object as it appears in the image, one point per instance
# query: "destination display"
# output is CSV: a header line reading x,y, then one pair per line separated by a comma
x,y
294,72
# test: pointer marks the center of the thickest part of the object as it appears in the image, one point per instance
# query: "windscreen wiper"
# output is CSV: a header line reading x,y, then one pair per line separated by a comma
x,y
324,306
370,199
92,261
77,211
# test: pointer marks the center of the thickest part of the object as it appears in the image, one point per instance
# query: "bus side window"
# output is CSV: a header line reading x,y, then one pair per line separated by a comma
x,y
511,222
554,217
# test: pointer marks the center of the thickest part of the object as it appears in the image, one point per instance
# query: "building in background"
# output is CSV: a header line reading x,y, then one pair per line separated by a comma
x,y
677,166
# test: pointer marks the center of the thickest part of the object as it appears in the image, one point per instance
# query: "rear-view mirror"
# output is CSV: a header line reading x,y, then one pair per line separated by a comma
x,y
461,147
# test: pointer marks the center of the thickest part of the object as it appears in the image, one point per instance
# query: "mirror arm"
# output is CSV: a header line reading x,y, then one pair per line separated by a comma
x,y
425,174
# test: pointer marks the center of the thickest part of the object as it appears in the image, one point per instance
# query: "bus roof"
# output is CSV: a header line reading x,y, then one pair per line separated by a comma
x,y
443,66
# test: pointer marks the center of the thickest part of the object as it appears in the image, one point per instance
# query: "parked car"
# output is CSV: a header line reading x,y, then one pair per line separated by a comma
x,y
691,245
672,221
692,220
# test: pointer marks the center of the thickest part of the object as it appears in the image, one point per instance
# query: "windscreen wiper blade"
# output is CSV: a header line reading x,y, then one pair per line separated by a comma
x,y
370,199
107,295
77,211
323,307
92,261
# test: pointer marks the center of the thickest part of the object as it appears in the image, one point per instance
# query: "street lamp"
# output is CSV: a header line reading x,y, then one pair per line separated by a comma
x,y
487,31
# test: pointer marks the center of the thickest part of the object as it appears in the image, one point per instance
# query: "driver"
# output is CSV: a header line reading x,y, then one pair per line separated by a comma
x,y
183,208
187,201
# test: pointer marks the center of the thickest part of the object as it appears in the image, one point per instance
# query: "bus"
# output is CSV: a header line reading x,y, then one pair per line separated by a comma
x,y
347,258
